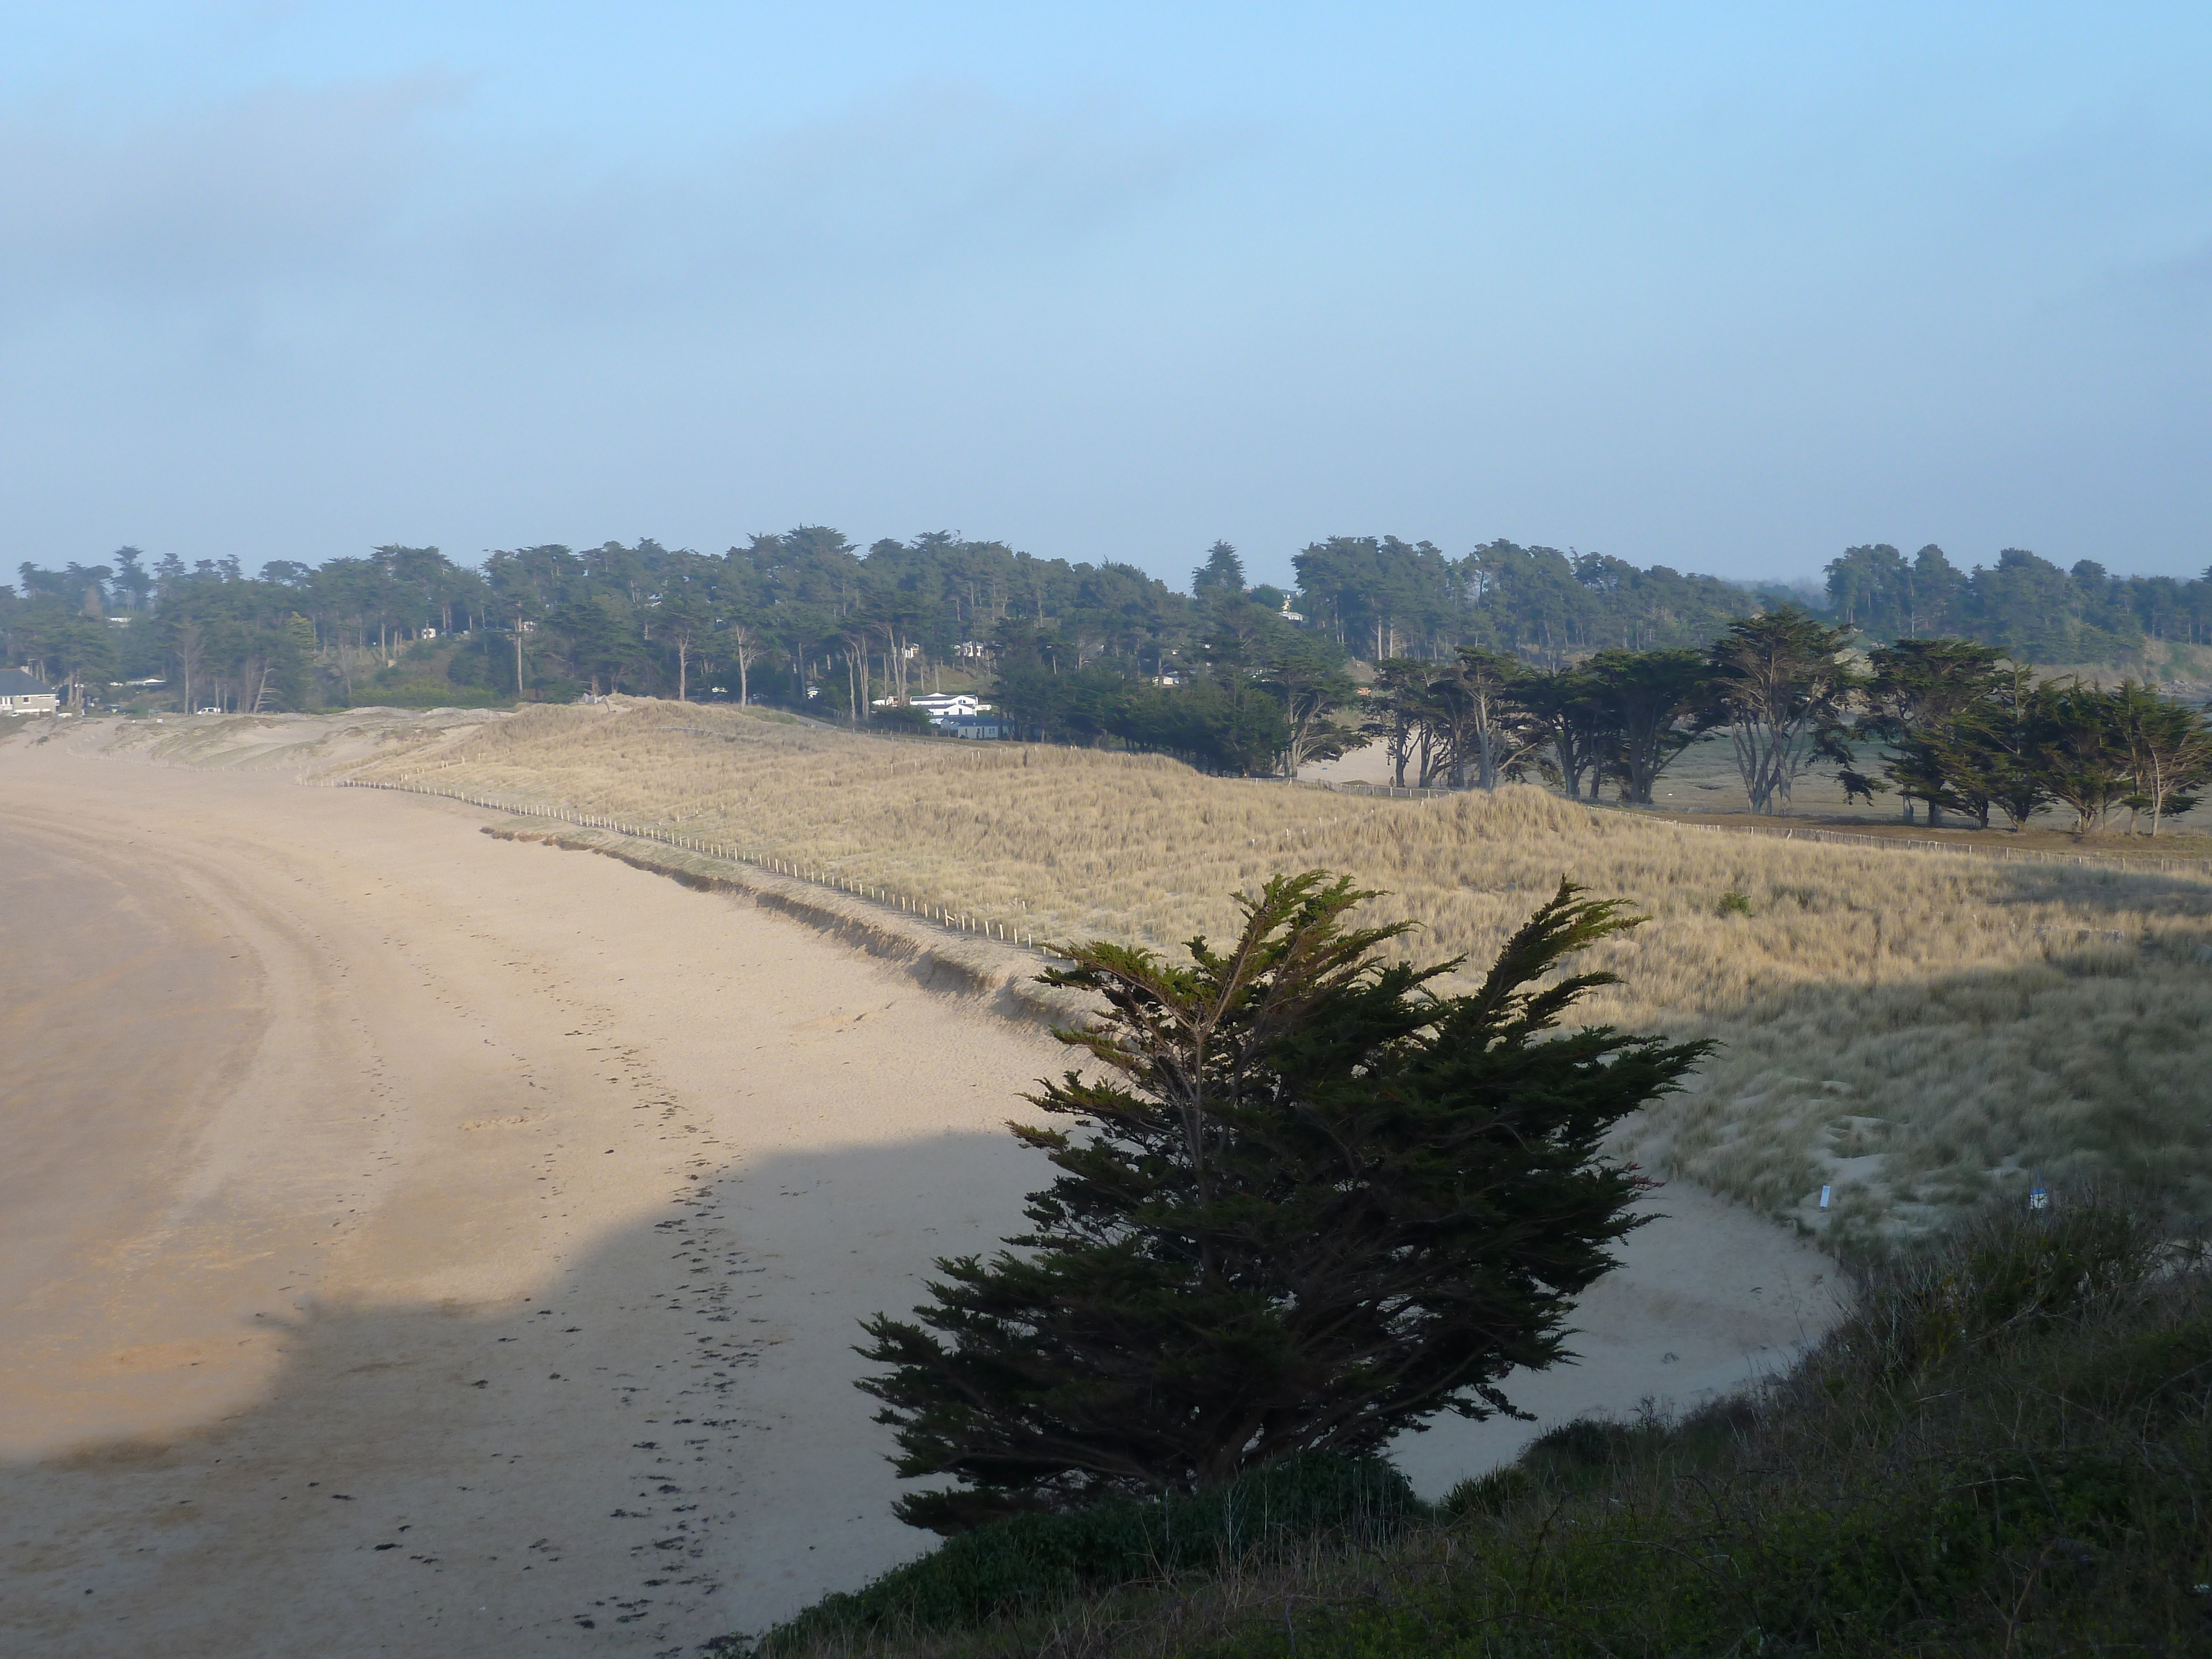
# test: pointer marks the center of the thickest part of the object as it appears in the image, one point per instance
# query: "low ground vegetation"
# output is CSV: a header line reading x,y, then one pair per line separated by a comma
x,y
2003,1452
1913,1029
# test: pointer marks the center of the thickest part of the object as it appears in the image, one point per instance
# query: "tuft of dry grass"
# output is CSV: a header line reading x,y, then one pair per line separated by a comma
x,y
1913,1028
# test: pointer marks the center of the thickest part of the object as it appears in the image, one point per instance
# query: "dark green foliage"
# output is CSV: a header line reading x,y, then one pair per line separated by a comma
x,y
1381,598
1621,716
1989,753
1916,694
909,721
1973,732
1222,573
1031,1563
1650,702
1879,591
1782,686
1572,724
2022,605
1308,1204
2081,756
1487,1494
1306,675
1543,604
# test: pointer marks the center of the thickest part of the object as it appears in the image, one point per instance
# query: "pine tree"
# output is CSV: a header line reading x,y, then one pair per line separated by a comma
x,y
1306,1202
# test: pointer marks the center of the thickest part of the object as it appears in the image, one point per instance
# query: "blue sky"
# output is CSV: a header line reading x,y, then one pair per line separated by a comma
x,y
1726,287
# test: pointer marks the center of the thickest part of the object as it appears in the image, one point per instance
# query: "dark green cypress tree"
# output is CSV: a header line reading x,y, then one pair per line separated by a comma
x,y
1307,1202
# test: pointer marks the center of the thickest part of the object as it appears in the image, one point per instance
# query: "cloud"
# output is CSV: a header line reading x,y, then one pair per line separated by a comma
x,y
939,177
278,181
358,195
2183,282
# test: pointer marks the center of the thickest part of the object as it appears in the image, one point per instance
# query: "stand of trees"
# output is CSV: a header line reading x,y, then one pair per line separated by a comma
x,y
2023,605
1069,652
1958,727
1381,598
1967,730
1511,662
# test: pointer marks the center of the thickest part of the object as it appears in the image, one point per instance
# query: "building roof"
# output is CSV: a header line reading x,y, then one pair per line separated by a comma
x,y
14,683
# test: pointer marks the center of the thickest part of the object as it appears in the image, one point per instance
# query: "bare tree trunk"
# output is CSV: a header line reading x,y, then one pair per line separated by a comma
x,y
742,638
189,649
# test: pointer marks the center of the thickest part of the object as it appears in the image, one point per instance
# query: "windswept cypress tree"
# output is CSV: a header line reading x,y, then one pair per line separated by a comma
x,y
1308,1202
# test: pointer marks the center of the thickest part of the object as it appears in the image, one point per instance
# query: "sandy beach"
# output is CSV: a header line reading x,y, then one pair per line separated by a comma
x,y
414,1241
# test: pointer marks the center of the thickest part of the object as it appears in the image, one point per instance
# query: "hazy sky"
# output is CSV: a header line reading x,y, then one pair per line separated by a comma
x,y
1729,288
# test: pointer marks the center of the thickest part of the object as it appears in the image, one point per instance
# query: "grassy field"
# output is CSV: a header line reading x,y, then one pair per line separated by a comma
x,y
1916,1030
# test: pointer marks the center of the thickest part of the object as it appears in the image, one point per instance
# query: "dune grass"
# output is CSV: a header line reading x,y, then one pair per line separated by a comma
x,y
1915,1030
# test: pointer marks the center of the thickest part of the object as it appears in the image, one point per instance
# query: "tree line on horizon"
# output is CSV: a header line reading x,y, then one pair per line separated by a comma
x,y
1514,660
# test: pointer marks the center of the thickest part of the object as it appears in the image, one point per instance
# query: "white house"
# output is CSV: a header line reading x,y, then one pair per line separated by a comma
x,y
25,694
942,705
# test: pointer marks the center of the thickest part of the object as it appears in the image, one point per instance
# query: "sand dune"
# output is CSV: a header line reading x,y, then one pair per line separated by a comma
x,y
418,1242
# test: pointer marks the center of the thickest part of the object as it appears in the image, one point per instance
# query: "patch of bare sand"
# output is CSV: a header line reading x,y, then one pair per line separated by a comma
x,y
417,1242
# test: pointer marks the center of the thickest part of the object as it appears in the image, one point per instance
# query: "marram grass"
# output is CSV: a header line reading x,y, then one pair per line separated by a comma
x,y
1915,1030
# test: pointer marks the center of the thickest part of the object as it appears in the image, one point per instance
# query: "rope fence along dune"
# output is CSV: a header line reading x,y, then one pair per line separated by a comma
x,y
905,905
1913,1032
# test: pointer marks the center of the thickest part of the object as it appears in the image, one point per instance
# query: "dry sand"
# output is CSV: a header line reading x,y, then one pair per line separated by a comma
x,y
415,1243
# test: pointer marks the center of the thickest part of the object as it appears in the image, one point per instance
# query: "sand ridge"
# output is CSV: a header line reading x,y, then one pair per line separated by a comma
x,y
434,1243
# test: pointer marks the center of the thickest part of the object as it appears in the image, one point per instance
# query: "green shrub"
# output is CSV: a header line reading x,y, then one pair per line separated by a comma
x,y
1488,1494
1732,903
906,718
2008,1270
1586,1443
1031,1562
